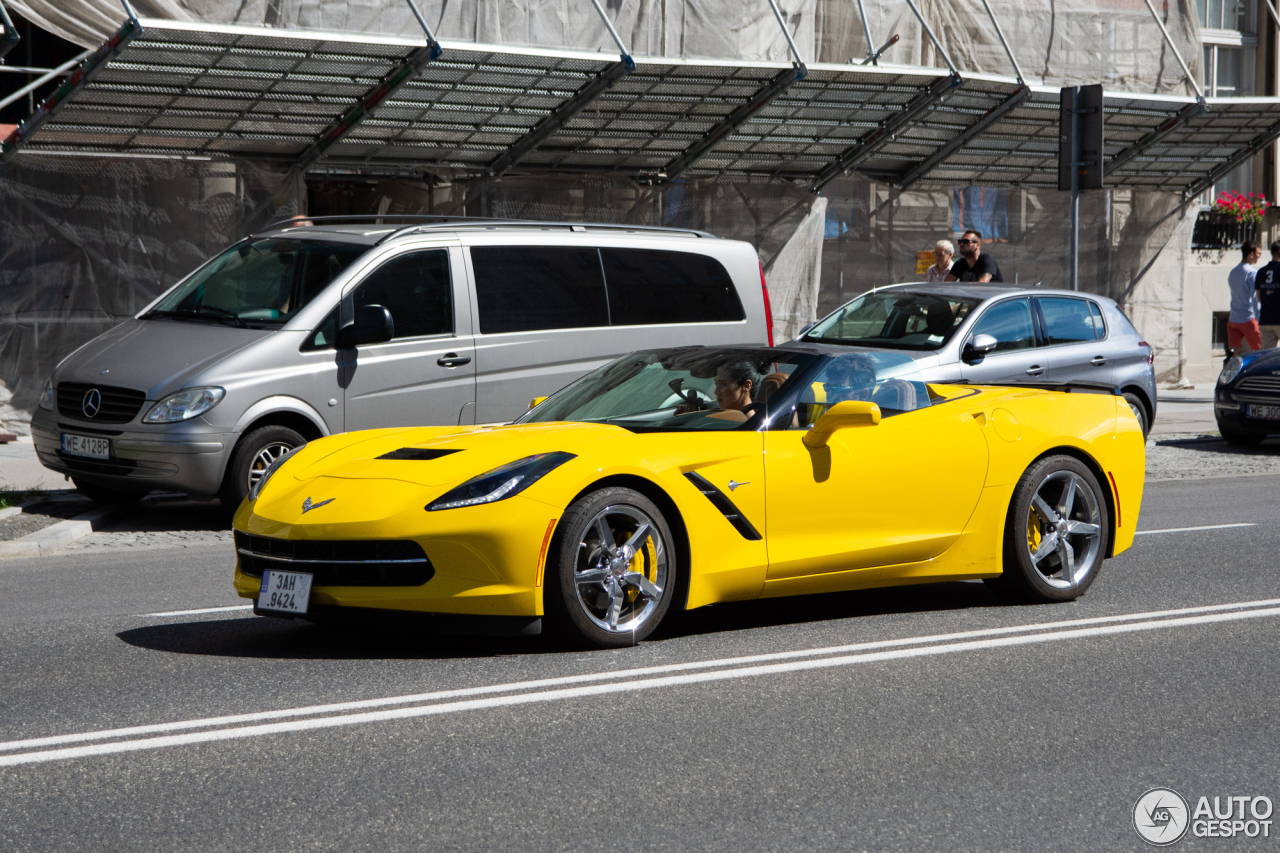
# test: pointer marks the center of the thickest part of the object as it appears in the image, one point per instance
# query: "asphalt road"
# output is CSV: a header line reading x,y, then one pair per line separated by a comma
x,y
1008,737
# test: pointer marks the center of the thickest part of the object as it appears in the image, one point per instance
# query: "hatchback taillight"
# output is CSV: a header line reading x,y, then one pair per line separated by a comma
x,y
1151,353
768,307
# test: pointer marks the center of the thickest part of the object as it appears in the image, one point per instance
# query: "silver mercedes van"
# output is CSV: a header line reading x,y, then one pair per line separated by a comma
x,y
323,325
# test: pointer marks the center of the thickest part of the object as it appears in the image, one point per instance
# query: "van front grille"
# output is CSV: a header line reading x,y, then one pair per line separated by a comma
x,y
352,562
114,405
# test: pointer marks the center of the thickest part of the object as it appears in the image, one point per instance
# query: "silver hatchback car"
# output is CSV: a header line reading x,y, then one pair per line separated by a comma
x,y
321,326
992,333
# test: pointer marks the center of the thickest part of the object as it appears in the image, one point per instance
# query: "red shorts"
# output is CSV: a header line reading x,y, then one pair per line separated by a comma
x,y
1248,331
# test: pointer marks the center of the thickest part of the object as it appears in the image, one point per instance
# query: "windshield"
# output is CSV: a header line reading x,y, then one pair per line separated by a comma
x,y
895,319
694,388
258,283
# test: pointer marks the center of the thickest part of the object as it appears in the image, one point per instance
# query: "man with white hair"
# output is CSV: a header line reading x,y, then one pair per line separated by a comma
x,y
942,252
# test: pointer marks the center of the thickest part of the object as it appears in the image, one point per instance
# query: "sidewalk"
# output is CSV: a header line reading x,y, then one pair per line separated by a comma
x,y
21,470
1185,412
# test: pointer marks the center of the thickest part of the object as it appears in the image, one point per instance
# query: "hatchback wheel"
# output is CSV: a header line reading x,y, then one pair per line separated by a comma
x,y
611,575
1057,532
1139,412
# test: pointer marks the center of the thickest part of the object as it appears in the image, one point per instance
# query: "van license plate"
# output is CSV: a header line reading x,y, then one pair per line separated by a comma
x,y
86,445
1269,413
289,592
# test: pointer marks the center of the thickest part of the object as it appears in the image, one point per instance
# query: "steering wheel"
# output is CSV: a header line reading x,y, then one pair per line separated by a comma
x,y
696,403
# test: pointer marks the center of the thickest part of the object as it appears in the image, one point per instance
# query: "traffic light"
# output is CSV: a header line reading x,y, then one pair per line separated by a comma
x,y
1091,116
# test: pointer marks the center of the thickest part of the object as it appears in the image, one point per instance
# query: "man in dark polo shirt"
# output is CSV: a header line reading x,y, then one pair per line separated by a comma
x,y
1267,284
973,265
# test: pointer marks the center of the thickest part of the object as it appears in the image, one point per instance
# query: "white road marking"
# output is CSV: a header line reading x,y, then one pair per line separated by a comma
x,y
625,680
202,610
1189,529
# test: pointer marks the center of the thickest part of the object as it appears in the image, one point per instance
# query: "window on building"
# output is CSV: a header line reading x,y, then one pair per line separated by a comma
x,y
1227,31
1220,332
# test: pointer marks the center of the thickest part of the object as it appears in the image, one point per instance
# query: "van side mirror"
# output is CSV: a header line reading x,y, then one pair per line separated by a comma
x,y
850,413
373,325
978,346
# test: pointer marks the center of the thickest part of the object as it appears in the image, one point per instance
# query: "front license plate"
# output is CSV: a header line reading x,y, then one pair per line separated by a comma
x,y
86,445
289,592
1267,413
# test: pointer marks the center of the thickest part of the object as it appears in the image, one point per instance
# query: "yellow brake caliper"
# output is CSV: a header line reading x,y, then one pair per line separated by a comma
x,y
645,562
1033,530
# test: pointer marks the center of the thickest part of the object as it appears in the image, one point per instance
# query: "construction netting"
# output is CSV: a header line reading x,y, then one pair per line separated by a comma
x,y
1058,42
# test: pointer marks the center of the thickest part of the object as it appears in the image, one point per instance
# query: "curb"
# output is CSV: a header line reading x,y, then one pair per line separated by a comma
x,y
44,542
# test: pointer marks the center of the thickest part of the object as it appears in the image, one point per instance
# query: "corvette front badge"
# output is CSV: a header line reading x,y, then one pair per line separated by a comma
x,y
307,505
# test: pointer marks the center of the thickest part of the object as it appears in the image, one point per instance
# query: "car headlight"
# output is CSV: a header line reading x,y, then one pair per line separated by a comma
x,y
501,483
46,395
271,469
1231,370
184,405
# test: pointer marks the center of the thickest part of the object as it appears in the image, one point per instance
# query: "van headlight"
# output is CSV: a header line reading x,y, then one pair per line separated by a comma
x,y
184,405
271,469
502,482
1231,370
46,395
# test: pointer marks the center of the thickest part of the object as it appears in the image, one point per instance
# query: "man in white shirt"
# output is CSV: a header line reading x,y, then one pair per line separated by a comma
x,y
1243,334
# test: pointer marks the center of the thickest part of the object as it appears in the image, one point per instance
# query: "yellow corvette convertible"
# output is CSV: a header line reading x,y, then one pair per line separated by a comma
x,y
684,477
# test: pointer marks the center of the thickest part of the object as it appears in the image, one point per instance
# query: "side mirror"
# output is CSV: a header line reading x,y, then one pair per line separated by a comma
x,y
850,413
373,325
536,400
978,346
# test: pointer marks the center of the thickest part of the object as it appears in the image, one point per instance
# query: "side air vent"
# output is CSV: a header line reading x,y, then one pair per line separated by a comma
x,y
419,453
726,506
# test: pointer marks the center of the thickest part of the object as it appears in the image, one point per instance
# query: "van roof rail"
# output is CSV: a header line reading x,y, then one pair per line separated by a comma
x,y
408,223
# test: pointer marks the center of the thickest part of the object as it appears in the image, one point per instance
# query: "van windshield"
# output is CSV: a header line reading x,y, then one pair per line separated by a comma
x,y
259,283
895,319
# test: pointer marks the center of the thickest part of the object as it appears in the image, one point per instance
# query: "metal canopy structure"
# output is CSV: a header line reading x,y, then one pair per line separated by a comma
x,y
360,102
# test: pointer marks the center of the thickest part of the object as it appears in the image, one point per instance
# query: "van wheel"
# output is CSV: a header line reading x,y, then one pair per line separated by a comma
x,y
611,573
254,453
1057,532
107,495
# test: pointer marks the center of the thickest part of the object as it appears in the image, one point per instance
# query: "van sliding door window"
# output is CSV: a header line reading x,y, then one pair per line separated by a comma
x,y
524,288
415,287
648,286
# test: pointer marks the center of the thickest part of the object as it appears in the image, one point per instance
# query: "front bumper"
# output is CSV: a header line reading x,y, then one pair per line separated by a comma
x,y
187,461
1230,412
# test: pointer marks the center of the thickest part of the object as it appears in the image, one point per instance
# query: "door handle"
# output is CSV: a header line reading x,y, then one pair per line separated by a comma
x,y
452,359
1035,370
1098,360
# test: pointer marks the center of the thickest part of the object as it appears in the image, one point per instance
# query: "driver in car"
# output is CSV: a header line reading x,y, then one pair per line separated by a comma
x,y
734,384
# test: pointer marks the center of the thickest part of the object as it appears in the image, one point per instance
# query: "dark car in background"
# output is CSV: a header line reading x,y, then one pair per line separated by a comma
x,y
1246,402
990,333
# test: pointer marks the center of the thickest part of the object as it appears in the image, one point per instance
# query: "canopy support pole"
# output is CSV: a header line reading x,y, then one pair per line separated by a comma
x,y
937,45
88,68
781,81
1168,39
873,56
944,153
1259,142
885,133
1008,51
562,114
402,73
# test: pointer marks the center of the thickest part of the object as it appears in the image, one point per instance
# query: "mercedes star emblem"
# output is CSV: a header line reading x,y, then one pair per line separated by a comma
x,y
91,403
307,505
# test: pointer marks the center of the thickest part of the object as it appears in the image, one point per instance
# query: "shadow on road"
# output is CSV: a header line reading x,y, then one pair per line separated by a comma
x,y
260,637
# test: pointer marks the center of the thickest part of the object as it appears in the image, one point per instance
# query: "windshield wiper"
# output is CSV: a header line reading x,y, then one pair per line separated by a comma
x,y
219,314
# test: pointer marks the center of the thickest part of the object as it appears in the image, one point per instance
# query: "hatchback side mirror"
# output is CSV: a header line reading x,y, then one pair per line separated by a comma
x,y
373,325
850,413
537,401
978,346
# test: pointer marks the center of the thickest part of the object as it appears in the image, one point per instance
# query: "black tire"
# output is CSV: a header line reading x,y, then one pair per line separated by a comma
x,y
1139,412
1058,574
107,495
250,459
1241,439
582,612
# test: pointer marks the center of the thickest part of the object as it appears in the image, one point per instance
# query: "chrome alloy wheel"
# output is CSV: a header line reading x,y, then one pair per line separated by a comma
x,y
1064,530
621,569
263,458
